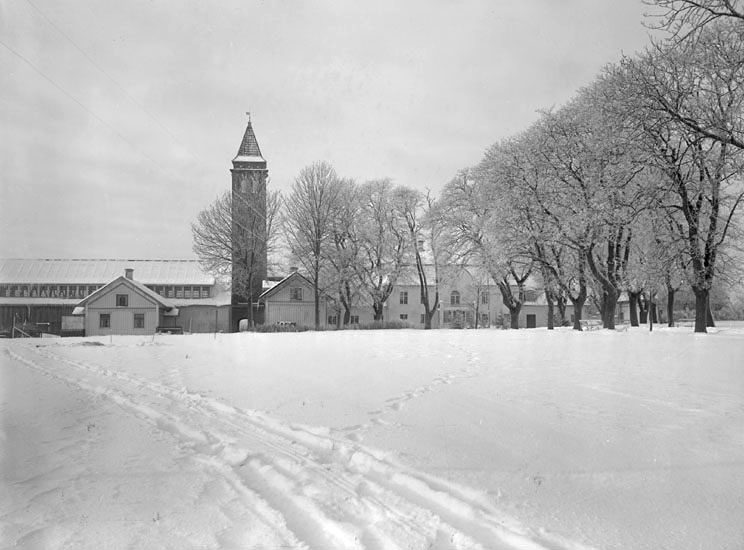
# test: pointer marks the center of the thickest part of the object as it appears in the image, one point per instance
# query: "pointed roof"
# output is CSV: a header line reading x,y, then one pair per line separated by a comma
x,y
134,285
249,150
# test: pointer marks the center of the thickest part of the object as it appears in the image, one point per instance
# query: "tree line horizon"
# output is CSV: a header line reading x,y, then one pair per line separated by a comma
x,y
634,185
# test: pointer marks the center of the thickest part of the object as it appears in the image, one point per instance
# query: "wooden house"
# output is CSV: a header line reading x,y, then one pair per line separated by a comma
x,y
124,306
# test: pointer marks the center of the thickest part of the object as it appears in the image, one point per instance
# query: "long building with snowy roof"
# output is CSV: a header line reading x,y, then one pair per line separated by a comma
x,y
41,294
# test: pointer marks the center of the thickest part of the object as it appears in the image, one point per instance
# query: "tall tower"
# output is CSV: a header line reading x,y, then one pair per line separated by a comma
x,y
249,254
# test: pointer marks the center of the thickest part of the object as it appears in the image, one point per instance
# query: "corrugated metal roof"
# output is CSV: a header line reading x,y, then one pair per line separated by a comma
x,y
100,272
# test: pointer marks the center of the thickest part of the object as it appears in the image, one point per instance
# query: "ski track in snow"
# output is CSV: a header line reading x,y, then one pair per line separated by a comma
x,y
307,487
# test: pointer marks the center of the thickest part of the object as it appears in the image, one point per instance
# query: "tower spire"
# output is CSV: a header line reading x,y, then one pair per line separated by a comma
x,y
249,151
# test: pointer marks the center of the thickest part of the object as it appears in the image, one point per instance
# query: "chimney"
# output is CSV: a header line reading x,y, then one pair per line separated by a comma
x,y
129,273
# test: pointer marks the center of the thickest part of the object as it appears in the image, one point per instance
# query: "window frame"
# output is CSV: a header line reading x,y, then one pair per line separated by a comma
x,y
104,317
403,297
295,294
122,300
138,317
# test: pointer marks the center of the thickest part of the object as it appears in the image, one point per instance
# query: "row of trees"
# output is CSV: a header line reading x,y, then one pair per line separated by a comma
x,y
632,186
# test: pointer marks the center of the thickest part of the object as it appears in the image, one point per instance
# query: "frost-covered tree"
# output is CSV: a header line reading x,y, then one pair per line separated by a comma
x,y
383,242
688,102
311,209
418,211
685,18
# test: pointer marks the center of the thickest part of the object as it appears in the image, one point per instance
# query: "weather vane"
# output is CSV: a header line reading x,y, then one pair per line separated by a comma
x,y
249,115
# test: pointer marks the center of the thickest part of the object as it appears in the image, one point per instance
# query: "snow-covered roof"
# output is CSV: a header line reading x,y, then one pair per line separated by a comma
x,y
98,272
154,296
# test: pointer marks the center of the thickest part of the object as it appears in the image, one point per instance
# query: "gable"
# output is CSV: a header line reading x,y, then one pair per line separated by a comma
x,y
107,297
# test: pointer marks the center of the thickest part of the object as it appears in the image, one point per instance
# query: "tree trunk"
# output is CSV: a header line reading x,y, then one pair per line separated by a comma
x,y
377,308
633,304
561,303
549,298
514,316
701,309
578,307
610,305
316,293
670,306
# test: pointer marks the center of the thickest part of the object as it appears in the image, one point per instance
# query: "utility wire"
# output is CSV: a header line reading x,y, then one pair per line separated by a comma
x,y
79,103
105,73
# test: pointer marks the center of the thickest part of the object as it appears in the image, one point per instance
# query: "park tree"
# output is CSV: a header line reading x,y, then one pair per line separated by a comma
x,y
419,212
688,100
594,193
481,232
310,210
383,242
236,256
684,19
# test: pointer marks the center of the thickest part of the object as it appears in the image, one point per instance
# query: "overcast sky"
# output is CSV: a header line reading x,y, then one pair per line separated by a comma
x,y
120,119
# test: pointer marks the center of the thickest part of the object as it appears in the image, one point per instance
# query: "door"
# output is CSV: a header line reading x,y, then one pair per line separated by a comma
x,y
531,320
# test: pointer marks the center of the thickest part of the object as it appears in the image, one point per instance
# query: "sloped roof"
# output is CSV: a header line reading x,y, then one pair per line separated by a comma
x,y
99,272
249,150
154,296
292,276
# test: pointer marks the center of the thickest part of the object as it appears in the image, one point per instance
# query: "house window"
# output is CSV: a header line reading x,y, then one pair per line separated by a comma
x,y
104,320
295,294
404,316
354,320
187,292
139,320
179,292
81,292
484,297
205,292
332,320
122,300
91,289
403,297
484,319
455,298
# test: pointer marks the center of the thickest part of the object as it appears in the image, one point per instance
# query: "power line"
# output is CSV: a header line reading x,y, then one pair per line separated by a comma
x,y
105,73
79,103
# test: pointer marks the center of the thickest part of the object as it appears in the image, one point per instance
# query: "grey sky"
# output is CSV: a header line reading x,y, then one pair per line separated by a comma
x,y
120,119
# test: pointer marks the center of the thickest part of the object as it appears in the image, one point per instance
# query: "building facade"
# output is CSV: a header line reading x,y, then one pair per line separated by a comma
x,y
40,295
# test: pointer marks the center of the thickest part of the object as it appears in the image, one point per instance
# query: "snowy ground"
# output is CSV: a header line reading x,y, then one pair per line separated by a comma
x,y
376,440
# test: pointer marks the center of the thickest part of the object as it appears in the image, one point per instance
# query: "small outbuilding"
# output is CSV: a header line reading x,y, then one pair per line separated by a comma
x,y
291,301
124,306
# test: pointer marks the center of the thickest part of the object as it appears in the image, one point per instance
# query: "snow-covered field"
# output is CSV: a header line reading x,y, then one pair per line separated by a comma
x,y
376,440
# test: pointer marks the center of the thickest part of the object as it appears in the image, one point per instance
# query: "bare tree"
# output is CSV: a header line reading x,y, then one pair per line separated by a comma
x,y
414,206
683,19
236,256
310,211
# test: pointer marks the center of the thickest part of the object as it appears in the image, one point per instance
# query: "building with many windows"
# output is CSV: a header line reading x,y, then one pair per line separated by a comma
x,y
40,295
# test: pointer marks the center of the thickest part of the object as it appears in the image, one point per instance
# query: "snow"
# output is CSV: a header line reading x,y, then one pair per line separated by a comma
x,y
375,440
